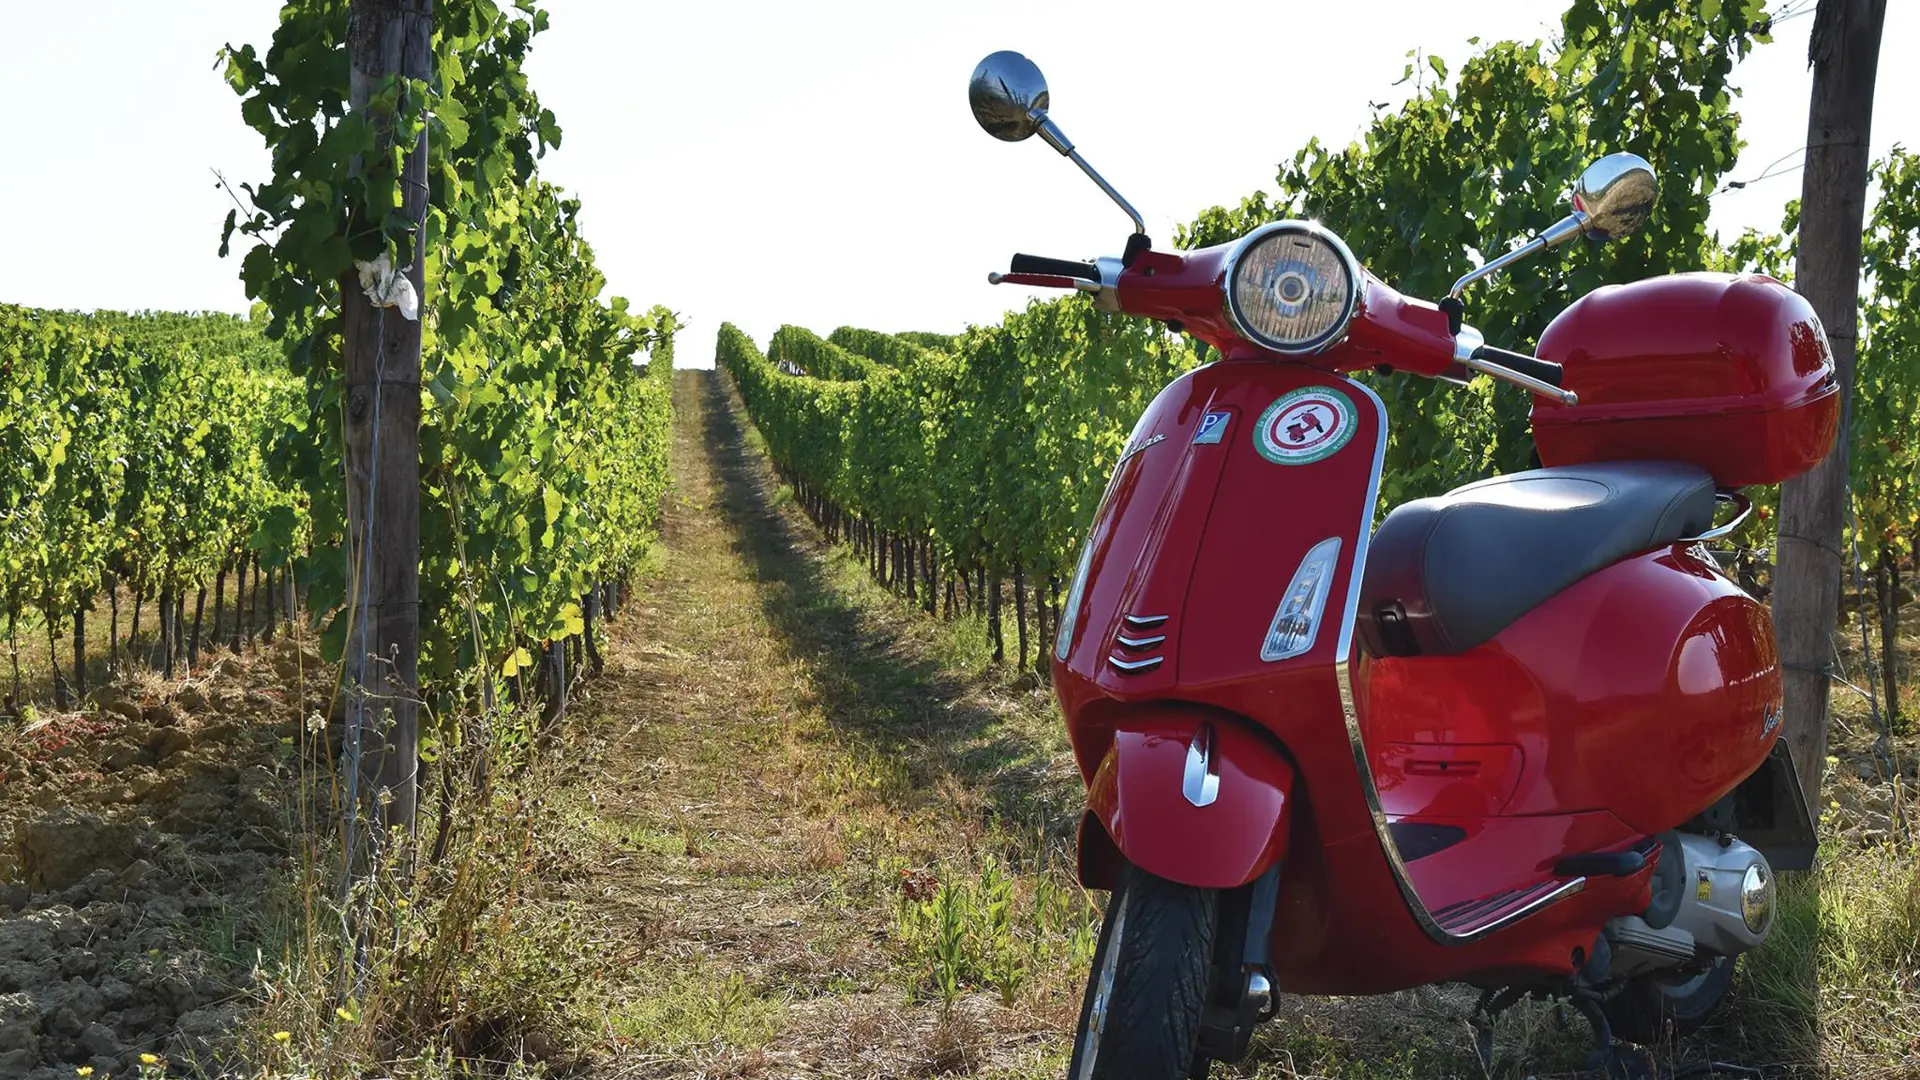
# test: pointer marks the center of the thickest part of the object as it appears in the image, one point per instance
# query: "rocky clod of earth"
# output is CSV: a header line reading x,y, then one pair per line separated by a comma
x,y
62,848
140,843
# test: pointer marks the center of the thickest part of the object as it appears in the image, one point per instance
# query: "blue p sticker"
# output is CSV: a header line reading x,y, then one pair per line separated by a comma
x,y
1213,427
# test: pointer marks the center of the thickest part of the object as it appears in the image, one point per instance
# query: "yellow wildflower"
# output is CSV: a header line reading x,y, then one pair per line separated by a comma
x,y
149,1059
282,1036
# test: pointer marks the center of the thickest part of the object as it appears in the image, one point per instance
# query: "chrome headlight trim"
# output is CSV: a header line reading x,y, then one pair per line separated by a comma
x,y
1328,338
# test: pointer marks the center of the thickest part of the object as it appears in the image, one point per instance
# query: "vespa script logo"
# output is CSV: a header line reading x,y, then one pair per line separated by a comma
x,y
1305,426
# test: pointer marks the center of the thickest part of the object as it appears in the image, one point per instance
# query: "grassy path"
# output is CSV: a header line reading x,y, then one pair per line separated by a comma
x,y
792,761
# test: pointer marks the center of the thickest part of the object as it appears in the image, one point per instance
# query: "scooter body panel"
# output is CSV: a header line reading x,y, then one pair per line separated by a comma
x,y
1227,820
1202,538
1214,511
1649,690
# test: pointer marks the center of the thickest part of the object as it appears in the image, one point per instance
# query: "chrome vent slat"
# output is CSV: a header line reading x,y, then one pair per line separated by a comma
x,y
1140,642
1135,667
1143,622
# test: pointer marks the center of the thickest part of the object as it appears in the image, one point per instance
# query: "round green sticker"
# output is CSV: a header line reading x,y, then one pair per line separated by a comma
x,y
1305,425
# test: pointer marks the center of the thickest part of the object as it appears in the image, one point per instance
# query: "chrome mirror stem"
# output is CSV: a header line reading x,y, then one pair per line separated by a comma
x,y
1139,224
1552,236
1050,131
1009,98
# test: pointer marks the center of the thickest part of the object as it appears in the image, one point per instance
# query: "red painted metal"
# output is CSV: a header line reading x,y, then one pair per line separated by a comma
x,y
1642,690
1388,328
1218,846
1731,372
1615,710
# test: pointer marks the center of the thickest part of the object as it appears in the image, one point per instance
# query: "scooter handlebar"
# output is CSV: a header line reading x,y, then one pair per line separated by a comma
x,y
1531,373
1544,370
1040,264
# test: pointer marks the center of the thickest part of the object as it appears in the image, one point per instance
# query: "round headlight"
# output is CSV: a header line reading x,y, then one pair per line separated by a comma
x,y
1756,898
1292,287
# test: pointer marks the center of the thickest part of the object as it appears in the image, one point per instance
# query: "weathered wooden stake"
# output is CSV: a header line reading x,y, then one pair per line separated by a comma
x,y
381,358
80,646
1844,54
193,641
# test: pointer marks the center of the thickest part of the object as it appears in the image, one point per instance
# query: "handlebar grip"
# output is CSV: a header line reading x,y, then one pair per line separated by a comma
x,y
1040,264
1545,370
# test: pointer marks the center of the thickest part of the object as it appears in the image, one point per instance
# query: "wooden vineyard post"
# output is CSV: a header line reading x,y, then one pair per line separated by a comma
x,y
1844,53
80,647
381,361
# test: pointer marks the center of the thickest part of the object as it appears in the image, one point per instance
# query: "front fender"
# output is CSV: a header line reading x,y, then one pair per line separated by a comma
x,y
1138,805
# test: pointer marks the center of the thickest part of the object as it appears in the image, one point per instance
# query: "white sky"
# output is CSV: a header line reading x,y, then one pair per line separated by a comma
x,y
772,162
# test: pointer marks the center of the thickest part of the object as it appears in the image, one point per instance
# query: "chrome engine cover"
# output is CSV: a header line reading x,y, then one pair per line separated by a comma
x,y
1725,907
1717,909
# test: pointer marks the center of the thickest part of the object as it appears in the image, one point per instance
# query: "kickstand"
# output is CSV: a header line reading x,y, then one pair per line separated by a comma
x,y
1610,1059
1613,1060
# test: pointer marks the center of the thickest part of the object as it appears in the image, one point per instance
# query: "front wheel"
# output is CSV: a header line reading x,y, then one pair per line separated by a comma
x,y
1140,1018
1649,1009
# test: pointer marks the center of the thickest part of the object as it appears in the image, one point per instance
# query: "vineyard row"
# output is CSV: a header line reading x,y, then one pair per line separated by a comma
x,y
958,465
162,457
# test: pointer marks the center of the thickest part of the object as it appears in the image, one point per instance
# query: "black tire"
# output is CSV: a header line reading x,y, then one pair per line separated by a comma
x,y
1149,981
1651,1010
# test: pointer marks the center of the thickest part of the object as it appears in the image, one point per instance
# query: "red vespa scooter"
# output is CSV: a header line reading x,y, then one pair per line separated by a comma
x,y
1523,735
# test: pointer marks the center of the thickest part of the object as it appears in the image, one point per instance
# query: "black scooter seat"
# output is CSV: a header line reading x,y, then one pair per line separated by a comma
x,y
1447,573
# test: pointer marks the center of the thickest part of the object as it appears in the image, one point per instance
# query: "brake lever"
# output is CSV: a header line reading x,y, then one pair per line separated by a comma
x,y
1468,342
1045,281
1539,386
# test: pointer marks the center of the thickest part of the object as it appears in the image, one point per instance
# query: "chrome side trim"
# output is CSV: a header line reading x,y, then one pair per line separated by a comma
x,y
1135,667
1349,712
1738,499
1401,876
1200,782
1144,622
1364,538
1547,899
1139,642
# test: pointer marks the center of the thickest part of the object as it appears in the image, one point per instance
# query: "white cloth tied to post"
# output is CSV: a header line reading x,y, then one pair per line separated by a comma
x,y
388,287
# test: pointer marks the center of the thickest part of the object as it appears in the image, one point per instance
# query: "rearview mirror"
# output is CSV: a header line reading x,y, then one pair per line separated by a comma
x,y
1009,99
1008,95
1613,198
1616,194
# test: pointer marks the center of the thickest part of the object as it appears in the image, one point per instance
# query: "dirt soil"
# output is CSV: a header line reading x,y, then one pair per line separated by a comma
x,y
139,838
